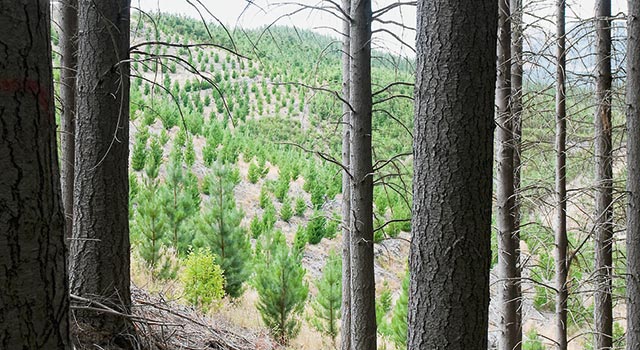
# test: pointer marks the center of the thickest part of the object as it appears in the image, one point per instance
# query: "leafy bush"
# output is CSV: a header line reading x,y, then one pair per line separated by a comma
x,y
203,279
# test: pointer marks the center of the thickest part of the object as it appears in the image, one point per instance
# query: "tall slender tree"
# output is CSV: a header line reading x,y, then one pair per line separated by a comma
x,y
68,62
511,336
363,312
604,179
34,302
452,184
561,243
633,175
99,257
516,113
345,328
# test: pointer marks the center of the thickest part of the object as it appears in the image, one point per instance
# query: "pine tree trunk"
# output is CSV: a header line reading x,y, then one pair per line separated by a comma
x,y
69,62
100,247
363,312
34,302
561,243
511,336
516,113
604,179
633,175
452,184
345,329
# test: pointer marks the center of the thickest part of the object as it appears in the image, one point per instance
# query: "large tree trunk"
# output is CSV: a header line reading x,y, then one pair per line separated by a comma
x,y
34,302
633,175
363,312
68,61
345,329
510,302
561,183
604,179
452,185
516,112
100,246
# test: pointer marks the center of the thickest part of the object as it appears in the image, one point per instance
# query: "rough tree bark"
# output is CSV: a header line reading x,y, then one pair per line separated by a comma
x,y
68,62
511,334
604,179
34,302
345,334
100,246
452,184
363,312
561,244
633,175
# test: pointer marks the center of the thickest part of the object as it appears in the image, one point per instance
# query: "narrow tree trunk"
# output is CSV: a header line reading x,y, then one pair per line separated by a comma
x,y
604,179
561,184
452,184
68,61
511,336
345,329
363,312
34,302
100,246
516,112
633,175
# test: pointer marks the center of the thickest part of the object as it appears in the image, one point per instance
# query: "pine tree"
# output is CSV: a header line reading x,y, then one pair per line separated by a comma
x,y
155,159
177,205
300,241
397,328
219,230
286,212
254,173
282,291
139,154
256,227
326,306
150,224
316,228
301,206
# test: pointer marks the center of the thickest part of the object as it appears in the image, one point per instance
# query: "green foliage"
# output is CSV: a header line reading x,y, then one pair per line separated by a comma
x,y
300,241
155,159
282,291
282,187
301,206
286,212
253,173
189,153
316,228
383,304
203,279
396,329
326,305
269,217
139,154
178,206
532,341
219,230
264,198
151,228
256,227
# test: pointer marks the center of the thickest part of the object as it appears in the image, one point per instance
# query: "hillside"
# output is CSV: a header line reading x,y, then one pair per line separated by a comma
x,y
252,116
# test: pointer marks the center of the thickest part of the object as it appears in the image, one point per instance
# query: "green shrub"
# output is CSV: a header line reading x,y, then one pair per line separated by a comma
x,y
301,206
532,341
316,228
202,278
286,212
326,305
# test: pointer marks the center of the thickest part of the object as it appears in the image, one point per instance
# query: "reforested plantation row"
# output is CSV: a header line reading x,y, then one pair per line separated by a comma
x,y
171,182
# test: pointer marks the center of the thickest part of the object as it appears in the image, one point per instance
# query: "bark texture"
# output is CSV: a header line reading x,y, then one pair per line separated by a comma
x,y
508,243
633,175
363,312
604,179
345,328
560,226
100,247
34,302
69,62
452,185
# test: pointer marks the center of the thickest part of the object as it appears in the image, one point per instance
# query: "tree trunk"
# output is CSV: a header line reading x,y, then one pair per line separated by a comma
x,y
561,184
511,336
100,246
604,179
34,302
363,312
68,62
452,184
633,175
345,329
516,113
